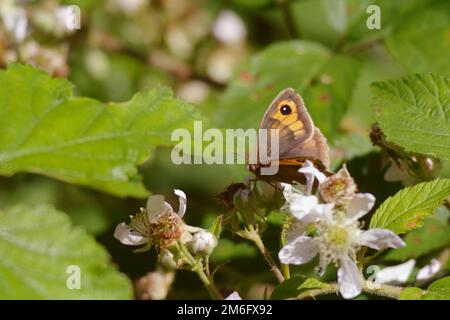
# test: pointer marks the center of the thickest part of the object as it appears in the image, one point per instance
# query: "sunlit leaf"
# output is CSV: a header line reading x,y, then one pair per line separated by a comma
x,y
407,209
414,112
44,129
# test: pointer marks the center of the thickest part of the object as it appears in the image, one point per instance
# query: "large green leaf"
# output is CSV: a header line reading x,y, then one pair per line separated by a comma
x,y
324,80
296,285
37,248
420,40
433,235
44,129
406,209
438,290
414,112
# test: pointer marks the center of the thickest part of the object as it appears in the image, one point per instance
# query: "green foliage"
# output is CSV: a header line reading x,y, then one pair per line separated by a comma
x,y
44,129
406,209
324,80
423,101
418,40
296,285
229,250
433,235
216,228
38,244
276,218
438,290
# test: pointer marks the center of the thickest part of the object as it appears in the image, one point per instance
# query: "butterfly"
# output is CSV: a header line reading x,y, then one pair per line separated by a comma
x,y
299,139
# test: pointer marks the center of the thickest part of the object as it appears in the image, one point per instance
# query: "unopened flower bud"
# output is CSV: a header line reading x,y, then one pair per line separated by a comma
x,y
203,243
167,260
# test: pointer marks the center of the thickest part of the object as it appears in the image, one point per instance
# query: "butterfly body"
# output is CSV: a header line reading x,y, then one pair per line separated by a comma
x,y
299,139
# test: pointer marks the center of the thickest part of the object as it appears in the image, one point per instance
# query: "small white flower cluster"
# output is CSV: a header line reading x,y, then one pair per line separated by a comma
x,y
401,273
337,235
160,226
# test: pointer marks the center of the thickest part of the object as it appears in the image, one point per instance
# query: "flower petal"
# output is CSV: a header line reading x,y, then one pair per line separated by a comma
x,y
124,234
380,239
360,204
156,206
429,270
298,251
292,193
302,206
183,200
323,211
349,278
296,229
311,173
234,296
397,274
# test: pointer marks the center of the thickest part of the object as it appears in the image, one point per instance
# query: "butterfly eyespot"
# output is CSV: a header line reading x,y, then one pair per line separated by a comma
x,y
285,110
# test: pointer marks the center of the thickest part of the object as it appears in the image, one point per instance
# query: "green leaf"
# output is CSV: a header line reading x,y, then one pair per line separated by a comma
x,y
336,13
44,129
324,80
411,293
216,228
37,246
433,235
406,209
294,286
438,290
423,101
421,40
312,283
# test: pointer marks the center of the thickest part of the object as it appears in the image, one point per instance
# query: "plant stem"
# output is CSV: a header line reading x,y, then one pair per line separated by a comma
x,y
254,236
285,267
381,290
197,266
294,32
208,273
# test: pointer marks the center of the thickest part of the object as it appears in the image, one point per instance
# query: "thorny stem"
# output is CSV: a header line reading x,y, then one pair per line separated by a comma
x,y
197,266
381,290
252,235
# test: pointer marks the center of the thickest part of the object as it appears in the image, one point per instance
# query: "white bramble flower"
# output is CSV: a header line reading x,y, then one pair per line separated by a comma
x,y
400,273
203,242
157,224
396,274
338,232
